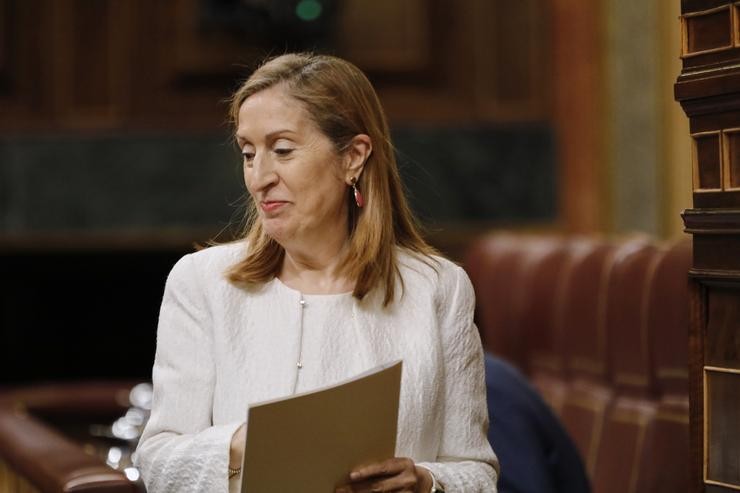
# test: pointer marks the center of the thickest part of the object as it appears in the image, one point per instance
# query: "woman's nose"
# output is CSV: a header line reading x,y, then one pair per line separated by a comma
x,y
263,172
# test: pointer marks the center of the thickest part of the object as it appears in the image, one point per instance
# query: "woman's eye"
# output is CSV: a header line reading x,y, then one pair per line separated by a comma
x,y
283,151
248,156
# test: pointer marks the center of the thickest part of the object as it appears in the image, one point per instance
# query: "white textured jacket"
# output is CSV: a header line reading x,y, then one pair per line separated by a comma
x,y
221,347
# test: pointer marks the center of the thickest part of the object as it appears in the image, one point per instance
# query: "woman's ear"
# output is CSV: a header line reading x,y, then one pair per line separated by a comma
x,y
356,155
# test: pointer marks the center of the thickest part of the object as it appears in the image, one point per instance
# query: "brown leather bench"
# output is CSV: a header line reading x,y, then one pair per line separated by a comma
x,y
37,456
600,327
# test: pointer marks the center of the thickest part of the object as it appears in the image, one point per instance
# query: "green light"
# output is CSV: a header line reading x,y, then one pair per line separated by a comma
x,y
308,10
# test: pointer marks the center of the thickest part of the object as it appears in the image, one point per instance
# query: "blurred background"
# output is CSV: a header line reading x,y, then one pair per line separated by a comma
x,y
115,154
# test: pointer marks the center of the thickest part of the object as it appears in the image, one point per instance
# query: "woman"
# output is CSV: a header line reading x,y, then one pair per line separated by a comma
x,y
331,279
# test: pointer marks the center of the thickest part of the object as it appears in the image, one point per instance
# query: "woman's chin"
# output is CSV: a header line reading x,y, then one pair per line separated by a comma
x,y
277,232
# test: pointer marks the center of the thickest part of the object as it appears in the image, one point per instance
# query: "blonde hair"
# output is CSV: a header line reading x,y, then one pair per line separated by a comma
x,y
342,103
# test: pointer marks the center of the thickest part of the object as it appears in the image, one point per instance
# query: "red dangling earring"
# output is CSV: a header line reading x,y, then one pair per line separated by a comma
x,y
358,196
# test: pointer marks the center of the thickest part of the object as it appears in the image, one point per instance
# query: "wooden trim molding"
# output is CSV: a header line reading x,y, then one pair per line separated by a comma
x,y
719,369
712,221
695,165
705,438
685,31
727,175
707,412
723,485
711,276
725,152
736,24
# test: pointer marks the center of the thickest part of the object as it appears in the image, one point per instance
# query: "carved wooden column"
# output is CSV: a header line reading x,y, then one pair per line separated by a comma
x,y
708,89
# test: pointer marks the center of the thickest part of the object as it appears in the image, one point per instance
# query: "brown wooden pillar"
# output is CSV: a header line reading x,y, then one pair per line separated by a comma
x,y
577,82
708,89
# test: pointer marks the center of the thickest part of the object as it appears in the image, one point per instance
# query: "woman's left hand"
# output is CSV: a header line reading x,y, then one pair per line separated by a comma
x,y
398,474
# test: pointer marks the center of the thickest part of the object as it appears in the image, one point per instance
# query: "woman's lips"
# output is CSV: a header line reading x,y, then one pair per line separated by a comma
x,y
272,205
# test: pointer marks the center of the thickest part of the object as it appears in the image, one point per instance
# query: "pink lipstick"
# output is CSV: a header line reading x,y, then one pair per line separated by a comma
x,y
271,205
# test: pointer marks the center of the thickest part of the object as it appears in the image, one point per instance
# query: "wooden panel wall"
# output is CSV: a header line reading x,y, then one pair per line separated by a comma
x,y
709,92
437,62
136,64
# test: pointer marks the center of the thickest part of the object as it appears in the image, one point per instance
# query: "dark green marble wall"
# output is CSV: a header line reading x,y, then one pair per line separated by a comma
x,y
116,183
479,174
161,182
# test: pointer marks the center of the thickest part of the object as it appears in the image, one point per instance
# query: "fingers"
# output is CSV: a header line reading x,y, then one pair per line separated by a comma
x,y
236,447
404,482
385,468
396,484
393,475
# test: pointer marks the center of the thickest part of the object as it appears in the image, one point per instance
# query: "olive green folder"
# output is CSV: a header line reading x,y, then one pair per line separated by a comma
x,y
310,442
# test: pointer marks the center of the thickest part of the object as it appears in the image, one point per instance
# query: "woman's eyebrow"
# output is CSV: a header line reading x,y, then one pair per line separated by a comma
x,y
241,139
275,133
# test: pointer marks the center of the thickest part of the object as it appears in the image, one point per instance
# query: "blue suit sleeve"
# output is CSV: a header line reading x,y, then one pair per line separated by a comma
x,y
535,452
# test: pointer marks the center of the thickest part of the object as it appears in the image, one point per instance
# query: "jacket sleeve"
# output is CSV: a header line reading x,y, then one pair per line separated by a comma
x,y
465,462
180,450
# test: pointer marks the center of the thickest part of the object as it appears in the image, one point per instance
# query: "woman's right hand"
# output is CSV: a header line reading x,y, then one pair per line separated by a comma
x,y
236,450
398,474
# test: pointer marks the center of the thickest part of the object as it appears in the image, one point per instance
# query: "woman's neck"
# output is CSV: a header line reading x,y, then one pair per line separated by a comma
x,y
315,271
